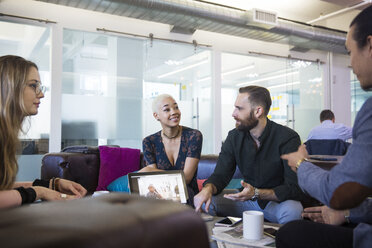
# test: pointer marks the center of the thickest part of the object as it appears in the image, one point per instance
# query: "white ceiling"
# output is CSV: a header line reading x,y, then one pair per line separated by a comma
x,y
302,10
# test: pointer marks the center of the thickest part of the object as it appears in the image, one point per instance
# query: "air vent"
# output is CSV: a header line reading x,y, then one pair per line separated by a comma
x,y
265,17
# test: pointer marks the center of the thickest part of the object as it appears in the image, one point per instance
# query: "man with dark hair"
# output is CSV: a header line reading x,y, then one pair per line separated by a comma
x,y
328,129
346,188
327,114
255,146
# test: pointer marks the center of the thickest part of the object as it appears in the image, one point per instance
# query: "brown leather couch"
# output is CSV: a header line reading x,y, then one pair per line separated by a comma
x,y
110,221
81,164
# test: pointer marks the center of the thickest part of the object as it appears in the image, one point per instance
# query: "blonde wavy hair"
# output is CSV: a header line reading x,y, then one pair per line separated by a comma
x,y
13,76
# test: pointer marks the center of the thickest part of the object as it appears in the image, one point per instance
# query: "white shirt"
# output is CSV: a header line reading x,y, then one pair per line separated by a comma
x,y
329,130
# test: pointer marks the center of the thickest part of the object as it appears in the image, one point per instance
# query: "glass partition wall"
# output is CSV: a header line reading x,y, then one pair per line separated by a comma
x,y
109,83
295,86
33,43
358,96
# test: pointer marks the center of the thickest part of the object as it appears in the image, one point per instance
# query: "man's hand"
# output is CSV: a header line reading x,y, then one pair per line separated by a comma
x,y
204,196
294,157
71,188
246,194
325,215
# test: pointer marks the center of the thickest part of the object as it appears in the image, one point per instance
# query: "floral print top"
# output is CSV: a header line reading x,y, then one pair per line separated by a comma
x,y
191,145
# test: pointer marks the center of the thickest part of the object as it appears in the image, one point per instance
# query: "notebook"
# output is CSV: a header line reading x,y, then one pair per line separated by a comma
x,y
169,185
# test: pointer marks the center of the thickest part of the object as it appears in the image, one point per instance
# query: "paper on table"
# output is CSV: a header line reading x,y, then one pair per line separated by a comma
x,y
234,236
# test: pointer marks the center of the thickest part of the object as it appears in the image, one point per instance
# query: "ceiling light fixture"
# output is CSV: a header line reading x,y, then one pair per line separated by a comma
x,y
267,78
183,69
238,70
283,85
204,79
229,72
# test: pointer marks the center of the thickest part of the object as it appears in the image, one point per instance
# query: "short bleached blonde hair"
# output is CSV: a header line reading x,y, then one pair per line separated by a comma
x,y
157,100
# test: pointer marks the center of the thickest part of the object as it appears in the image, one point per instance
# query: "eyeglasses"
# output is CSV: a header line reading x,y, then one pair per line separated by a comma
x,y
37,87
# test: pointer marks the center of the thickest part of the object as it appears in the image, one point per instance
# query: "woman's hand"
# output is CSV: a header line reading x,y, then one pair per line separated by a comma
x,y
46,194
71,188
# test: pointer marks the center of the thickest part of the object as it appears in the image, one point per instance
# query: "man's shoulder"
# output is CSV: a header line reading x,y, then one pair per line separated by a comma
x,y
283,130
234,133
365,114
367,106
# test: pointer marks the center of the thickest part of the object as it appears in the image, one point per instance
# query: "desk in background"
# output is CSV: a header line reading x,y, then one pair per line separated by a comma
x,y
327,165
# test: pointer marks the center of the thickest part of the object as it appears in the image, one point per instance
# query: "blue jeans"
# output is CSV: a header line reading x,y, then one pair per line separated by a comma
x,y
276,212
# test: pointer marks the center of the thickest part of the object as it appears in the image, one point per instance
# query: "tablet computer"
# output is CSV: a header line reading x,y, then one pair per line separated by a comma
x,y
168,185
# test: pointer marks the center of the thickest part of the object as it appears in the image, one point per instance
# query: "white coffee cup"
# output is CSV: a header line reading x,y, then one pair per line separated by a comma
x,y
253,225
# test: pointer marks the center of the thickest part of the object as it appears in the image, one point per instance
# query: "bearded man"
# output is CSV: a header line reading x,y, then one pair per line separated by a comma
x,y
254,146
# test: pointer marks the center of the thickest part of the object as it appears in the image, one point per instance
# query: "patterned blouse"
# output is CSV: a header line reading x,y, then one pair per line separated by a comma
x,y
191,145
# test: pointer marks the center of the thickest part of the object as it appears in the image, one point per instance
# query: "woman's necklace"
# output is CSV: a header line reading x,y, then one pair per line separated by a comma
x,y
172,137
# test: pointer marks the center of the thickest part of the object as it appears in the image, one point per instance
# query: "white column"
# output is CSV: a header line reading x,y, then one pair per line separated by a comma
x,y
340,89
56,88
328,81
216,98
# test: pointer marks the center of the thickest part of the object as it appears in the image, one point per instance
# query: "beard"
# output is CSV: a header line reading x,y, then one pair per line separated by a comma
x,y
248,124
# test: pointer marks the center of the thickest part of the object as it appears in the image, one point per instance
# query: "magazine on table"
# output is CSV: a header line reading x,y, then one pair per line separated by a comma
x,y
233,236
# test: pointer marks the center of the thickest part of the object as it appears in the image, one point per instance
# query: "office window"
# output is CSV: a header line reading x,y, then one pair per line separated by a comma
x,y
358,96
109,83
295,87
32,43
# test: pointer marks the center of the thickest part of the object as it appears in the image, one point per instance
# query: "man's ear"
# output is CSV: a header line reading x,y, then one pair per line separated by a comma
x,y
155,116
259,111
369,44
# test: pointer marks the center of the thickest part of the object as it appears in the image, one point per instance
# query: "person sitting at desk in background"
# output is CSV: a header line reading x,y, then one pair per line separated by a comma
x,y
175,147
349,184
21,91
328,129
255,146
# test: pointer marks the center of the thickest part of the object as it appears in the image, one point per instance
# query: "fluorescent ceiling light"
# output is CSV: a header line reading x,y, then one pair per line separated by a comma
x,y
204,79
183,69
267,78
229,72
238,70
283,85
318,79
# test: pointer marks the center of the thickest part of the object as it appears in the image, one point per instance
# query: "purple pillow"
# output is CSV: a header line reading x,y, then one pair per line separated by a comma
x,y
116,162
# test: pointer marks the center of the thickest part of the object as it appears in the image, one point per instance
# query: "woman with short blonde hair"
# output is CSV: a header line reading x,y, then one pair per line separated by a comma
x,y
175,147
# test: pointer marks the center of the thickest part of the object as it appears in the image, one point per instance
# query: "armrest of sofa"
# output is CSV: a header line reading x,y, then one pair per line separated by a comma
x,y
78,167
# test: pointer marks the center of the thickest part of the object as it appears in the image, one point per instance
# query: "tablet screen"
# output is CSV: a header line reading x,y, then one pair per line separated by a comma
x,y
168,185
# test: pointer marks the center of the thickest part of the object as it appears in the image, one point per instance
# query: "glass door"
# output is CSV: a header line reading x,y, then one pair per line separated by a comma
x,y
33,43
295,86
358,96
183,71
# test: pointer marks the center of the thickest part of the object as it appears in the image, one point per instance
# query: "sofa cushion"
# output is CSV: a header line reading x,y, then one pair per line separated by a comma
x,y
207,164
116,162
120,184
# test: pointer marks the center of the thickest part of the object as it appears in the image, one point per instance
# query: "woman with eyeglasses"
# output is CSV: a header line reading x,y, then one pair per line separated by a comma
x,y
21,92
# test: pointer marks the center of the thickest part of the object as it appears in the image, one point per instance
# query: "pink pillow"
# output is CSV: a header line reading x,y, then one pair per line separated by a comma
x,y
116,162
200,183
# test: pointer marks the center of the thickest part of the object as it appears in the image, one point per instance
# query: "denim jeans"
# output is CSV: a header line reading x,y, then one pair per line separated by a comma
x,y
276,212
